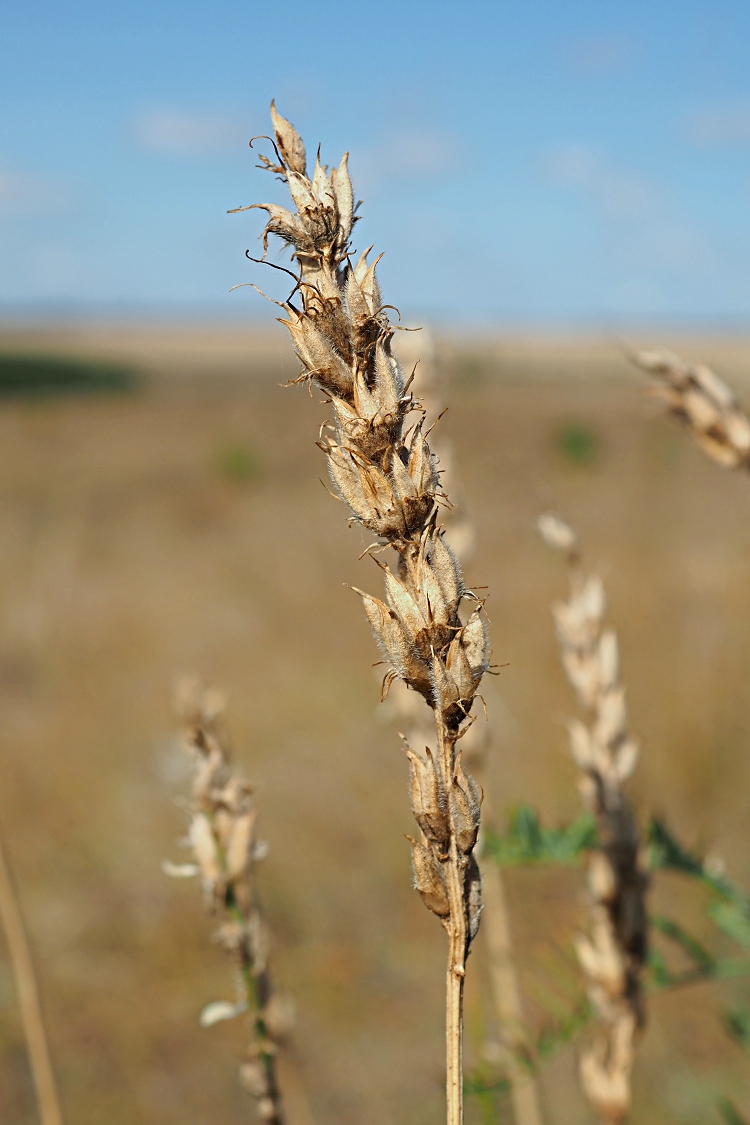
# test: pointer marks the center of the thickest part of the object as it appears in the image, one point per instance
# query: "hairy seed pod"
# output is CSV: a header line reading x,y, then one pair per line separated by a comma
x,y
429,879
290,143
427,798
465,808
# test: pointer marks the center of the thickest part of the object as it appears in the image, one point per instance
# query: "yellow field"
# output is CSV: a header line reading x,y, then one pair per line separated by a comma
x,y
183,527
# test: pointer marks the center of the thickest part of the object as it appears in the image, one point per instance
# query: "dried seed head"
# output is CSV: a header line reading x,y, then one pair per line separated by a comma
x,y
613,954
221,835
703,401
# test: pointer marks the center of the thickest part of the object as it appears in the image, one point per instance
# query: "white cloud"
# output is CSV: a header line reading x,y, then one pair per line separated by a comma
x,y
25,194
174,132
616,192
602,55
406,154
725,125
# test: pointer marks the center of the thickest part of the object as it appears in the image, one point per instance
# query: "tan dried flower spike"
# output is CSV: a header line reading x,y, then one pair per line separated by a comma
x,y
225,850
613,954
704,403
383,469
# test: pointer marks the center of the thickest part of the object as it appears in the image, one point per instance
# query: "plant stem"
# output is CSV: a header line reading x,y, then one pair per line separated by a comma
x,y
28,999
454,866
454,1019
507,997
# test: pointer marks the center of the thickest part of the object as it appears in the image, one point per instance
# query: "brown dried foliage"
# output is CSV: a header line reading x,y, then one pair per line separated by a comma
x,y
704,403
614,953
382,467
222,839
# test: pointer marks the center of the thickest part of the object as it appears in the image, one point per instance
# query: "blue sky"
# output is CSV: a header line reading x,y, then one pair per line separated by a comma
x,y
551,162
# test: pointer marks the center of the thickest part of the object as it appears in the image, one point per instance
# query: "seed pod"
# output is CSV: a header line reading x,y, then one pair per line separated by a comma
x,y
348,483
388,380
290,143
253,1077
556,533
404,606
402,482
611,717
432,600
287,226
203,843
240,848
279,1015
447,568
444,688
608,658
429,879
460,669
342,186
427,798
476,644
388,632
466,801
580,744
473,893
368,283
626,759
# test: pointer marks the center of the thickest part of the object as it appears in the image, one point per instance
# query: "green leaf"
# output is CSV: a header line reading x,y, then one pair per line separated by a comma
x,y
733,920
665,852
661,974
729,1112
558,1035
528,842
704,961
737,1024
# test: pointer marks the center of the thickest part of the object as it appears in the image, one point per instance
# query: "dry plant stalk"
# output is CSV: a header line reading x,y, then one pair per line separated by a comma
x,y
45,1087
383,469
408,710
704,403
613,955
225,849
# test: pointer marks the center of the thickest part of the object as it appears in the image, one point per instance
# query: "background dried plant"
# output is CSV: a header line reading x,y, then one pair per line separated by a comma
x,y
222,839
383,469
416,350
703,403
130,550
613,954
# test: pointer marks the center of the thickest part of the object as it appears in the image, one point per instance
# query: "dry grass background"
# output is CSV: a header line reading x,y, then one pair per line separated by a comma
x,y
182,528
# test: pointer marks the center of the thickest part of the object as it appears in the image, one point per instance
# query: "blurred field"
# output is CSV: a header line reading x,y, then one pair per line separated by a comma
x,y
182,527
